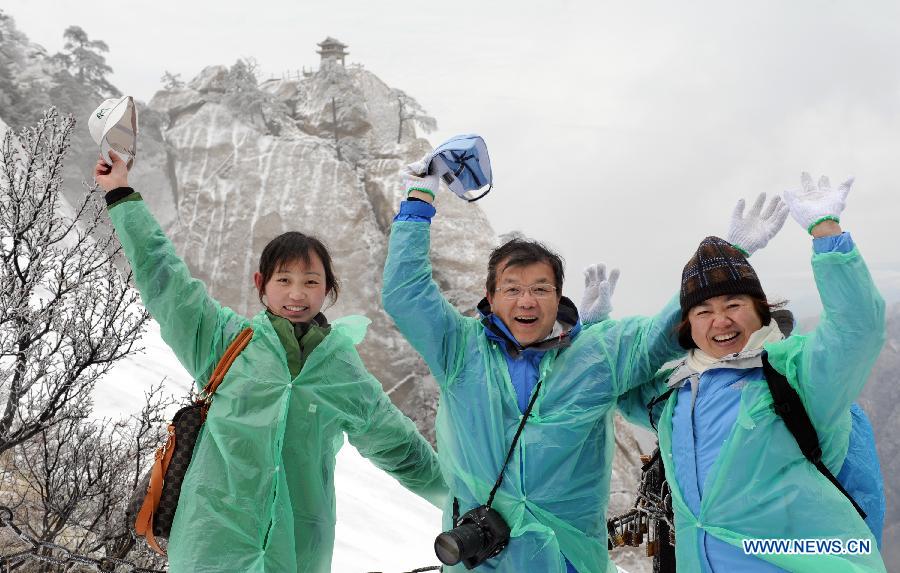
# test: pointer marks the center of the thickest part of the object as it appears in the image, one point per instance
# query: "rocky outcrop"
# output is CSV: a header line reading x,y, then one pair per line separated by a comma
x,y
238,186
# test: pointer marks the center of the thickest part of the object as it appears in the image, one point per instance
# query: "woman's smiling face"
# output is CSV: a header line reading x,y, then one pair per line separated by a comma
x,y
296,291
722,324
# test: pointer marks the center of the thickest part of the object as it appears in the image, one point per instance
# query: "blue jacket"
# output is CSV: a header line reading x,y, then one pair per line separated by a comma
x,y
524,363
861,473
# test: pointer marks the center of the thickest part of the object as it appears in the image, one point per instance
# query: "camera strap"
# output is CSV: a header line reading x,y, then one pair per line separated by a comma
x,y
512,447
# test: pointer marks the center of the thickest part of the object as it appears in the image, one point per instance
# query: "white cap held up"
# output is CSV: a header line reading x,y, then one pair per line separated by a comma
x,y
114,125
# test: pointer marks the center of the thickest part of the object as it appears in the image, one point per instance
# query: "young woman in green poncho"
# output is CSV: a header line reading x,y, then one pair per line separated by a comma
x,y
259,494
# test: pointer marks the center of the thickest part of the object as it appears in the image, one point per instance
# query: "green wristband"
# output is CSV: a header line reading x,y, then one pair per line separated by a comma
x,y
743,252
422,189
820,220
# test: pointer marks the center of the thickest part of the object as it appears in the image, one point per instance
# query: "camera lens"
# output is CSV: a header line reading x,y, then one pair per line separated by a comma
x,y
447,549
460,543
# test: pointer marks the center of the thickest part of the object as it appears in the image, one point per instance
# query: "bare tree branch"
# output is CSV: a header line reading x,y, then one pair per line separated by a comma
x,y
65,313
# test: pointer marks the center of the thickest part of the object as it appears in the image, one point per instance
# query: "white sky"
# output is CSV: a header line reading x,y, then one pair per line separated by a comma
x,y
619,132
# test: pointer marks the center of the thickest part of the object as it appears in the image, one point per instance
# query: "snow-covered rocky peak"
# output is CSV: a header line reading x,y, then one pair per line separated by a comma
x,y
247,165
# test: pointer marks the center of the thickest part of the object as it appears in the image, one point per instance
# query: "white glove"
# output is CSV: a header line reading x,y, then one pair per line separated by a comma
x,y
754,231
415,177
812,205
596,304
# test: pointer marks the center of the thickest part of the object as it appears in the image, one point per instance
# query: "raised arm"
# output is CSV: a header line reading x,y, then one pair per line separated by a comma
x,y
410,296
637,347
833,363
192,323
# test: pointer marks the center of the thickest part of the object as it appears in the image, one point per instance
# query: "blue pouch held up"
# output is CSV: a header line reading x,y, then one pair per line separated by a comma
x,y
464,165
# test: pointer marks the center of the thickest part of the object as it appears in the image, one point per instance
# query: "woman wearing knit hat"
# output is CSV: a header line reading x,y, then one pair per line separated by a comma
x,y
736,472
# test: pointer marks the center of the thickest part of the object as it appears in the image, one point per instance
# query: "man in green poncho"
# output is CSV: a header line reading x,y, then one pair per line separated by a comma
x,y
556,485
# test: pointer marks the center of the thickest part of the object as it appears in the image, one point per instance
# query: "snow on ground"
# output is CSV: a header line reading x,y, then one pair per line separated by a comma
x,y
381,526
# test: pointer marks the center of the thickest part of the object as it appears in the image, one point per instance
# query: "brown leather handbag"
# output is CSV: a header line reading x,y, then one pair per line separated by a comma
x,y
152,507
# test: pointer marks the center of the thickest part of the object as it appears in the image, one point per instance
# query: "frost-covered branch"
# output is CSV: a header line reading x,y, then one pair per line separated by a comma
x,y
66,315
70,485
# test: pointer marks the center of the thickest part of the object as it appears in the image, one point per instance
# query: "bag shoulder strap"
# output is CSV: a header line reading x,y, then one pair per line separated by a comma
x,y
231,353
652,404
787,404
143,523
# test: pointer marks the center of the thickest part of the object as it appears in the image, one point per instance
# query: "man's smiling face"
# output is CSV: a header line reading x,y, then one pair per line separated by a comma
x,y
528,315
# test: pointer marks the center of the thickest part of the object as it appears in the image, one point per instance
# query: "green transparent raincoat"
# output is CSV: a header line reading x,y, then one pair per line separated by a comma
x,y
556,488
761,486
259,494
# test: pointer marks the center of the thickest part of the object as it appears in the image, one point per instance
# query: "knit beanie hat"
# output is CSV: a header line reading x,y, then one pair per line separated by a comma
x,y
716,268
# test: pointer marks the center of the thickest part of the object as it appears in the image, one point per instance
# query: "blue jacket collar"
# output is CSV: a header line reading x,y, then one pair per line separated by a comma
x,y
567,321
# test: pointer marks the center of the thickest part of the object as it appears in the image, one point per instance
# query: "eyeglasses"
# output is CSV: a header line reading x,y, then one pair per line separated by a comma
x,y
539,290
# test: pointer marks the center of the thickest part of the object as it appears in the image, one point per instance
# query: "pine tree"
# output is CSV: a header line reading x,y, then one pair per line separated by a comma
x,y
171,81
243,95
83,59
409,110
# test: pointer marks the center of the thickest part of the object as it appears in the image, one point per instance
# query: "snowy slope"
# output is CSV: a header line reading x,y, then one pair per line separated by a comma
x,y
381,526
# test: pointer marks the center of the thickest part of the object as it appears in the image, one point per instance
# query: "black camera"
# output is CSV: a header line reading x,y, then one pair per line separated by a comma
x,y
479,535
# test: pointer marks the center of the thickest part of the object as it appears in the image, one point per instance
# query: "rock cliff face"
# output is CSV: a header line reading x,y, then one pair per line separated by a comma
x,y
237,182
